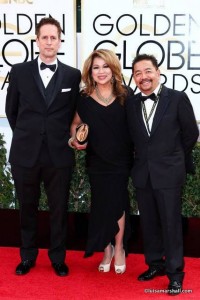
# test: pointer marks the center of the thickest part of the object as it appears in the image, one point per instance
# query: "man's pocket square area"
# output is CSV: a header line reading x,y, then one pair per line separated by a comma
x,y
65,90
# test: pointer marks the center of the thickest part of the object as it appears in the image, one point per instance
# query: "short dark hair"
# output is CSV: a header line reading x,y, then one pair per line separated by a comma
x,y
45,21
140,57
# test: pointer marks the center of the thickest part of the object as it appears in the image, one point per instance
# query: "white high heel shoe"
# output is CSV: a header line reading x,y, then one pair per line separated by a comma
x,y
120,269
106,267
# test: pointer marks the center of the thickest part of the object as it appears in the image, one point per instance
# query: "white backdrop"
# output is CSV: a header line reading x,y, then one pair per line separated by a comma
x,y
169,29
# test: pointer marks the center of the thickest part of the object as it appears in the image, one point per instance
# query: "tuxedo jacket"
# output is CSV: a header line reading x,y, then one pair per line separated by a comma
x,y
32,119
166,153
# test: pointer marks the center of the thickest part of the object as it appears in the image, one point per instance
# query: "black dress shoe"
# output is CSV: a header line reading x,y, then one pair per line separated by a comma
x,y
174,288
61,269
24,267
151,273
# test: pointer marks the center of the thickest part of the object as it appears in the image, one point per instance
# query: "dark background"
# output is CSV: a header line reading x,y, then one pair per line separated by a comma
x,y
77,232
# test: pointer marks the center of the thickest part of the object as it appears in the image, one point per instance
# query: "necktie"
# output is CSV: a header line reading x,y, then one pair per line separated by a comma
x,y
51,67
152,97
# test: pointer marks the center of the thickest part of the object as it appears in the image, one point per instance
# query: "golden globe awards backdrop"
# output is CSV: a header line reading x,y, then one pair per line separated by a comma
x,y
169,29
18,19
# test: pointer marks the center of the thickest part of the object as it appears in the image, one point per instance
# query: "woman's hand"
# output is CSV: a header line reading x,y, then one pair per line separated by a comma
x,y
73,143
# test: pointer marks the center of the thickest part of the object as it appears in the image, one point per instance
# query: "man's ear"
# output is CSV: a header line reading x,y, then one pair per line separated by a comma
x,y
60,44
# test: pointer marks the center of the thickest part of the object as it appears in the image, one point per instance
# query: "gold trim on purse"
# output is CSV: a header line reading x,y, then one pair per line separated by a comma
x,y
82,131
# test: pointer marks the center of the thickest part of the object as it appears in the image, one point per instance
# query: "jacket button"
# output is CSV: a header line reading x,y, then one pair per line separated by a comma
x,y
42,133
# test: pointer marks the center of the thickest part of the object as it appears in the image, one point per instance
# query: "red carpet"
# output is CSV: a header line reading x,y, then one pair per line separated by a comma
x,y
85,282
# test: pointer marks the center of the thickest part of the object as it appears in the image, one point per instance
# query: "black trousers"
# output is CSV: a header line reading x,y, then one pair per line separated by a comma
x,y
161,220
57,183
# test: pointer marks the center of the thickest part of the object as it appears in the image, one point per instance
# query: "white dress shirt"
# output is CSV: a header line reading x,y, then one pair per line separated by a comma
x,y
46,74
148,105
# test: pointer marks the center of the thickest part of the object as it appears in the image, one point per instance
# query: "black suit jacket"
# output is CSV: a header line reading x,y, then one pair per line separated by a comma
x,y
31,118
162,155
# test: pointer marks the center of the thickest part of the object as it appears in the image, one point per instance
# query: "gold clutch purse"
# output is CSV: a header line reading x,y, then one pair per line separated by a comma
x,y
82,131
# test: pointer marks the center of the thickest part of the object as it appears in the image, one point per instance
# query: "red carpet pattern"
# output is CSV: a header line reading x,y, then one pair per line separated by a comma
x,y
85,282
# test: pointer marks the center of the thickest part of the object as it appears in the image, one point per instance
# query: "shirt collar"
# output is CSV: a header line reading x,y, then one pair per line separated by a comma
x,y
155,91
52,63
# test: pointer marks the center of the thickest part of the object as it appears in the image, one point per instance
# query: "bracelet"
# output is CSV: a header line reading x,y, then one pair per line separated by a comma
x,y
70,143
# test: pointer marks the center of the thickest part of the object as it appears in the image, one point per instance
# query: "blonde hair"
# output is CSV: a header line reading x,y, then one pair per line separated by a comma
x,y
113,62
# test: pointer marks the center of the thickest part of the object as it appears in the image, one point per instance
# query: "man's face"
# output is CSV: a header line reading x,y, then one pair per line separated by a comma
x,y
146,76
48,42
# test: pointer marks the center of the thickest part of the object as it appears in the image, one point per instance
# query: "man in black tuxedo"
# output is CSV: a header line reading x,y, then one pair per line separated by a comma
x,y
163,130
40,105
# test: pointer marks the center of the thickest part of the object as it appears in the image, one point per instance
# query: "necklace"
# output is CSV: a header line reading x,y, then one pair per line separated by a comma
x,y
101,98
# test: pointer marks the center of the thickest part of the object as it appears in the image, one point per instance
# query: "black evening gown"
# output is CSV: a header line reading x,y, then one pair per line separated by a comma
x,y
108,162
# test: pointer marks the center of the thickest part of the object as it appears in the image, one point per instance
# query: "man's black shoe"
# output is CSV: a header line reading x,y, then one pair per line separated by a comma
x,y
61,269
174,288
24,267
151,273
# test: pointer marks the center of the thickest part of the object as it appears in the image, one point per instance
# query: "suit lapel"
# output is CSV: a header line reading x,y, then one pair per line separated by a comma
x,y
37,78
162,105
58,82
139,115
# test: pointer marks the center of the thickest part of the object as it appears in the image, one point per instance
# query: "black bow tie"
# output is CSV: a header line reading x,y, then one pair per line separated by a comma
x,y
152,97
51,67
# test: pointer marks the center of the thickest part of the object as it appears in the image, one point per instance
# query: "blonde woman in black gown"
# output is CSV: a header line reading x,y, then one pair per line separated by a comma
x,y
108,156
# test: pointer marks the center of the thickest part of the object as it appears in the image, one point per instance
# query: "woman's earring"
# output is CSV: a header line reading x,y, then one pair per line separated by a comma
x,y
112,79
94,83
